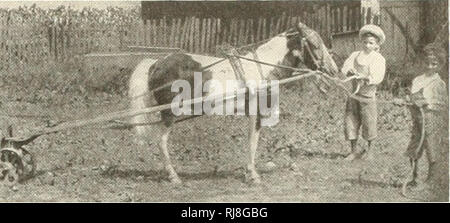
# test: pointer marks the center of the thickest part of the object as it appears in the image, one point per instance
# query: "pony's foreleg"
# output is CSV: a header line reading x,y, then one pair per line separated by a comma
x,y
173,176
255,128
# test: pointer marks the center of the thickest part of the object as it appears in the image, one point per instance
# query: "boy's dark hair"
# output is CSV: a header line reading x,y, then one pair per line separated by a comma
x,y
432,50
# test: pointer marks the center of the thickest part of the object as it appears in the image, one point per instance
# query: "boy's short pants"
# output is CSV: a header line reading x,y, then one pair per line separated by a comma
x,y
360,115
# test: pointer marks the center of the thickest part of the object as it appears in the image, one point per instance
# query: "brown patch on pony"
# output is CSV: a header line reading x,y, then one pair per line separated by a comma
x,y
177,66
295,42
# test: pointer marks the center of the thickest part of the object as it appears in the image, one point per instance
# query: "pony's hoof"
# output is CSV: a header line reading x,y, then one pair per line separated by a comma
x,y
412,183
421,193
256,181
253,180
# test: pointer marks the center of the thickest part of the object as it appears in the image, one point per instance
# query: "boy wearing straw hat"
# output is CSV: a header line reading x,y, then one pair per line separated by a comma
x,y
369,67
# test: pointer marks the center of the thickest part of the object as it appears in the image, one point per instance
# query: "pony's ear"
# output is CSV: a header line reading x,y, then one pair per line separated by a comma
x,y
301,27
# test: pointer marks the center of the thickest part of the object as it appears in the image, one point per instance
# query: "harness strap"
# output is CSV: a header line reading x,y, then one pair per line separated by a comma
x,y
258,65
305,44
213,64
315,60
236,64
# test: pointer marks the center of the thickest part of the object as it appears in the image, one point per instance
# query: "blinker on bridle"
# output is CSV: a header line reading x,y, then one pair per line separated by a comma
x,y
292,34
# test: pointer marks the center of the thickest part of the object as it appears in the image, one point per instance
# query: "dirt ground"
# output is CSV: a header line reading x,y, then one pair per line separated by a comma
x,y
100,164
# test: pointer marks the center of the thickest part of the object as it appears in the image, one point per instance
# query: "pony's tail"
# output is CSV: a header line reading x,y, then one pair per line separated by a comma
x,y
139,93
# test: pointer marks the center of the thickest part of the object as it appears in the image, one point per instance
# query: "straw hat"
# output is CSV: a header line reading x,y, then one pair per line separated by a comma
x,y
374,30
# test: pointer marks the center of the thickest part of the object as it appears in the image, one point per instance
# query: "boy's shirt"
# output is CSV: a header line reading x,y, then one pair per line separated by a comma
x,y
374,70
434,90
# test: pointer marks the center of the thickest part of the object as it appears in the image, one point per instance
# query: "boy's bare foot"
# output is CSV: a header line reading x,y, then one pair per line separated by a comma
x,y
420,186
423,192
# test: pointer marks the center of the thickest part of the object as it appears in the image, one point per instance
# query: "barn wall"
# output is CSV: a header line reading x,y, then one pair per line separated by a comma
x,y
395,49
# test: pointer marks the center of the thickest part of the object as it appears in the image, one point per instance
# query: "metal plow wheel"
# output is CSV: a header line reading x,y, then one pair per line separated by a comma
x,y
15,165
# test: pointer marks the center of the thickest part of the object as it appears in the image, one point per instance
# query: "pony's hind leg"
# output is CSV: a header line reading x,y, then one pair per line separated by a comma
x,y
163,148
173,176
255,128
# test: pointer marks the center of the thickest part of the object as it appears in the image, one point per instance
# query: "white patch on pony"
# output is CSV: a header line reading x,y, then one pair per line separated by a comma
x,y
139,93
272,52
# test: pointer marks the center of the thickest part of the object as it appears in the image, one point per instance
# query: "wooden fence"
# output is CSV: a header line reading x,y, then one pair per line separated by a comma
x,y
203,35
346,18
36,44
19,47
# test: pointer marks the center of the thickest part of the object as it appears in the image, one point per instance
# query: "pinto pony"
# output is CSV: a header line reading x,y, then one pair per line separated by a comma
x,y
284,49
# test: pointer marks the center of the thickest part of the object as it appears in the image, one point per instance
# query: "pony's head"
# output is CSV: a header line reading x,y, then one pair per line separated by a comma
x,y
284,49
289,49
302,47
297,56
317,55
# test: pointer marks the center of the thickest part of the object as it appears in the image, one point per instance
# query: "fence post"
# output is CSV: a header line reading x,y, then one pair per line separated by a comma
x,y
197,35
251,36
202,35
230,28
213,42
208,36
258,30
328,24
178,32
191,34
183,34
264,29
218,32
241,34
